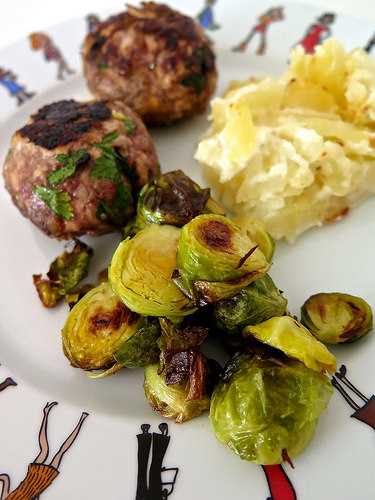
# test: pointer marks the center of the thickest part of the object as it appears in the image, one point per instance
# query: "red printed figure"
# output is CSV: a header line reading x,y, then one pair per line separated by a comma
x,y
41,41
40,474
279,483
261,28
318,32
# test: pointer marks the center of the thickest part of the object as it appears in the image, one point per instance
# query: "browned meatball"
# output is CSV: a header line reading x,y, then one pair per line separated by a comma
x,y
155,59
75,168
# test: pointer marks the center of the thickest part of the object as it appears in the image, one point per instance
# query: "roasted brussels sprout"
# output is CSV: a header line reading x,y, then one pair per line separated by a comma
x,y
254,304
141,269
172,401
257,233
172,198
337,318
294,340
265,409
96,328
141,349
64,274
215,259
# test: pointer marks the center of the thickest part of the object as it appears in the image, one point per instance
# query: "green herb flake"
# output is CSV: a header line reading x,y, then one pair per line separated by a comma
x,y
57,201
69,164
117,211
129,124
102,65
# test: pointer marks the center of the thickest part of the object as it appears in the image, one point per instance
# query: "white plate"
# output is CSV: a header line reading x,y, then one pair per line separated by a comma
x,y
102,464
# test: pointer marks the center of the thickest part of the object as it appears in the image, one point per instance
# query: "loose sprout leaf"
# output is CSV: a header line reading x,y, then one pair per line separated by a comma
x,y
293,339
263,406
49,292
69,163
57,201
64,274
141,349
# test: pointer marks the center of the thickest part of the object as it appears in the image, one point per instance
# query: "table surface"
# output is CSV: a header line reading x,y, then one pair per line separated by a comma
x,y
24,16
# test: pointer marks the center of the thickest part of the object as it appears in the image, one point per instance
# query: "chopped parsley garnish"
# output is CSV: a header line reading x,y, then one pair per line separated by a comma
x,y
110,166
57,201
129,124
69,163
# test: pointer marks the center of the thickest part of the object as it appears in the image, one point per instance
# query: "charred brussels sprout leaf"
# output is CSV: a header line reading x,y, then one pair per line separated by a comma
x,y
172,198
337,318
141,349
64,274
254,304
264,408
141,269
215,259
257,233
172,401
96,328
294,340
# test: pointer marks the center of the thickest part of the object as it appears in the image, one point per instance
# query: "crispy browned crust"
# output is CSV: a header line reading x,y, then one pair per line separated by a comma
x,y
156,59
32,157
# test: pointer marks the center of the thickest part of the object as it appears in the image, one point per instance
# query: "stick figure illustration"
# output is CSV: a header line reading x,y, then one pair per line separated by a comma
x,y
9,81
370,44
150,484
40,475
272,15
318,32
364,408
8,382
42,42
206,16
92,21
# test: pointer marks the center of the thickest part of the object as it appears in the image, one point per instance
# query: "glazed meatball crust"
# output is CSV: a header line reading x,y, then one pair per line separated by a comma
x,y
157,60
66,127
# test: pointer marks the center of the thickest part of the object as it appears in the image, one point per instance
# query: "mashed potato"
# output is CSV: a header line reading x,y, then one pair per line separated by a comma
x,y
297,151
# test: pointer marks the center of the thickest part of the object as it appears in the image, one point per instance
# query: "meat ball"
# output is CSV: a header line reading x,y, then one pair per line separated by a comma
x,y
155,59
75,168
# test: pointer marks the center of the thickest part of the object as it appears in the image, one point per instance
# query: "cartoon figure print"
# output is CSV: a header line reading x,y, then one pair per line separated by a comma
x,y
40,475
42,42
370,44
150,484
8,382
279,483
364,408
92,21
318,32
272,15
8,80
206,16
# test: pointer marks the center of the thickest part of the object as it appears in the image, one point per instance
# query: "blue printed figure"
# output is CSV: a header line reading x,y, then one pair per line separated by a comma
x,y
9,81
206,16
